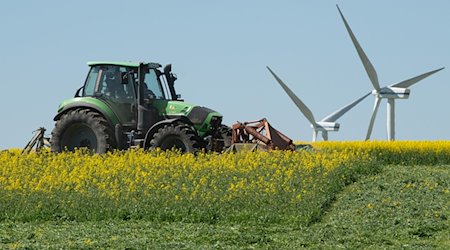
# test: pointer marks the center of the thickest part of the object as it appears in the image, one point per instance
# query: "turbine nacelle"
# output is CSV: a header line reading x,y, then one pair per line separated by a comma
x,y
392,93
326,126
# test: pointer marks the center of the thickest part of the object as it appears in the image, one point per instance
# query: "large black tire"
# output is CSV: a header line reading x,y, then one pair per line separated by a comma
x,y
82,128
178,136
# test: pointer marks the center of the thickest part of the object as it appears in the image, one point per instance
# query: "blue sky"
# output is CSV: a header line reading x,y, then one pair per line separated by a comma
x,y
219,50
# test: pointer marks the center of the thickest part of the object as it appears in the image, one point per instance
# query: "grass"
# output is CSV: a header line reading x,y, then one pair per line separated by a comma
x,y
400,207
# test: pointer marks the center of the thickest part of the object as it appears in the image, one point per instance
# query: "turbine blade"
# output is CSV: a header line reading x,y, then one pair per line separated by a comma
x,y
303,108
338,113
364,59
374,115
408,83
325,135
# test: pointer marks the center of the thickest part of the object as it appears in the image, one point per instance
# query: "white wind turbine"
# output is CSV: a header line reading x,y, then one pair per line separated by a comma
x,y
395,91
326,124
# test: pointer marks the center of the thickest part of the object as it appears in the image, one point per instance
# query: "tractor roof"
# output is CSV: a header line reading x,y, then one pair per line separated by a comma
x,y
125,64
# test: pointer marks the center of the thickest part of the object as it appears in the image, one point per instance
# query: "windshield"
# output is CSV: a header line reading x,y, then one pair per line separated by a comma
x,y
109,81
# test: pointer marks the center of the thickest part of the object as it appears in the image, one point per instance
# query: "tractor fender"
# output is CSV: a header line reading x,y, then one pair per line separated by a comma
x,y
112,120
160,124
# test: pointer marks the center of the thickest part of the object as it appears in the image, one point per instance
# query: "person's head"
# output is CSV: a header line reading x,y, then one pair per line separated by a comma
x,y
111,78
111,83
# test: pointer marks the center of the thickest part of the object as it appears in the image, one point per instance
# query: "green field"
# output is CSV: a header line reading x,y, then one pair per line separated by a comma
x,y
399,207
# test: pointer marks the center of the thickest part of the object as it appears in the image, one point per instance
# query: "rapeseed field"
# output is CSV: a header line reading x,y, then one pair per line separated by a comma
x,y
249,187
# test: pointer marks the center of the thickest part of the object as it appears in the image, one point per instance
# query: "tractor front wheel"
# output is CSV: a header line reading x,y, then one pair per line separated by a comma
x,y
225,134
82,128
178,136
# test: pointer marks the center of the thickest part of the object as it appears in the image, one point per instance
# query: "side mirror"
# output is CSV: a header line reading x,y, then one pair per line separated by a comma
x,y
167,69
168,73
77,94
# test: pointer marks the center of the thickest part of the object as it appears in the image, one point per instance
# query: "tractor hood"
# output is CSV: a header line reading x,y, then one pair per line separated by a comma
x,y
195,113
203,118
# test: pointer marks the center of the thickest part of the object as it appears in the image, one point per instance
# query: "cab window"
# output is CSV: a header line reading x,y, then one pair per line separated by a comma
x,y
109,81
91,80
152,86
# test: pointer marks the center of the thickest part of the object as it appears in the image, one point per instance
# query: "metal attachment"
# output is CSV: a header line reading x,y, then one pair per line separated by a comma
x,y
260,133
39,140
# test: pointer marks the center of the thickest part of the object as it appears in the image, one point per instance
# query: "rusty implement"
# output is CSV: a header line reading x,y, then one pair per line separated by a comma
x,y
39,141
258,135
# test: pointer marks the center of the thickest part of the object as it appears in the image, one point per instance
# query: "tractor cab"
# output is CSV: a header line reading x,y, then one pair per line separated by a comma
x,y
120,80
126,86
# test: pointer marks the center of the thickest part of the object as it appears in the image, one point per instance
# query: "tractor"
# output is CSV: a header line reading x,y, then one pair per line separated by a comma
x,y
126,105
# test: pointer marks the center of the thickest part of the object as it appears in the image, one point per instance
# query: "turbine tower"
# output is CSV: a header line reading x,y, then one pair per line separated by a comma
x,y
395,91
326,124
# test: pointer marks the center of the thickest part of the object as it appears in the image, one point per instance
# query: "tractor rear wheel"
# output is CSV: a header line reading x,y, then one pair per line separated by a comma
x,y
178,136
82,128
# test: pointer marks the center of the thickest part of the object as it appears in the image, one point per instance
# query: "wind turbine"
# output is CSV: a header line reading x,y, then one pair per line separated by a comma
x,y
395,91
326,124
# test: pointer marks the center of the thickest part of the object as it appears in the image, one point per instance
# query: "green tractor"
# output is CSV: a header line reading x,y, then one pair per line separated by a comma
x,y
125,105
